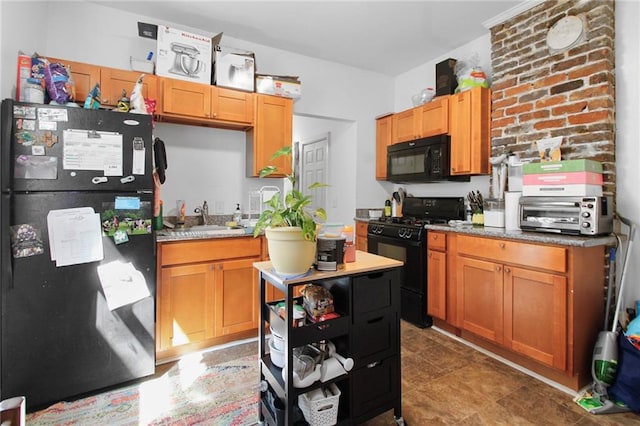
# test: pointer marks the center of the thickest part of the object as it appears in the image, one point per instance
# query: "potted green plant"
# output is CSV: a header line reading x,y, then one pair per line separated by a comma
x,y
290,225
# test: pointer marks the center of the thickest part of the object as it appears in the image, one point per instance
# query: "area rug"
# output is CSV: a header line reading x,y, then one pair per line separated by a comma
x,y
190,393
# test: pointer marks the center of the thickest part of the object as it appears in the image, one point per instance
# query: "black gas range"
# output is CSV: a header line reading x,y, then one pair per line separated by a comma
x,y
405,238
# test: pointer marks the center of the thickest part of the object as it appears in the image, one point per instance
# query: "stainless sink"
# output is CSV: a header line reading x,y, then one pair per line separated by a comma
x,y
204,230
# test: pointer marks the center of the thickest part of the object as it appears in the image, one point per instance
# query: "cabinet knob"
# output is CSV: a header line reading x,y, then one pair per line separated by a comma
x,y
430,255
435,237
498,268
215,114
507,270
501,245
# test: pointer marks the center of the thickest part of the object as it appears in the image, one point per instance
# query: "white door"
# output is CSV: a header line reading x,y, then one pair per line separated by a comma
x,y
313,162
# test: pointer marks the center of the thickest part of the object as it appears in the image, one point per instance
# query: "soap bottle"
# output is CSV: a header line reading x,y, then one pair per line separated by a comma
x,y
237,214
387,208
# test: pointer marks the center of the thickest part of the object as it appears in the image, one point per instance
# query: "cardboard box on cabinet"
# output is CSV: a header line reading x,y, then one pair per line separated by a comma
x,y
183,55
233,68
288,87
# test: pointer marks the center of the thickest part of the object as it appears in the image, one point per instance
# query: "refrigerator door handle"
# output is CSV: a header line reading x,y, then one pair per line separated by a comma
x,y
6,255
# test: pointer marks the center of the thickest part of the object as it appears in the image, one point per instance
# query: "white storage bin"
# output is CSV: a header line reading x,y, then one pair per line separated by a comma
x,y
319,410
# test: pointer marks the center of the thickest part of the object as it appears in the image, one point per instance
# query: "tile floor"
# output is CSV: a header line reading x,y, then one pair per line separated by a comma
x,y
447,382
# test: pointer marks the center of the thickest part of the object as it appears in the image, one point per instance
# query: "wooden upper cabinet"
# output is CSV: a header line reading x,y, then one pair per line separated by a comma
x,y
406,125
196,102
435,117
384,135
232,105
84,76
429,119
273,129
184,98
470,130
114,81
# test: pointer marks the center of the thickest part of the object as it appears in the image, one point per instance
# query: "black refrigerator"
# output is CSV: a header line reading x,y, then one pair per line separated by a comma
x,y
78,251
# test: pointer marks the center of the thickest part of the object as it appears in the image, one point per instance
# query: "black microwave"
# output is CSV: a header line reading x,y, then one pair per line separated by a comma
x,y
421,160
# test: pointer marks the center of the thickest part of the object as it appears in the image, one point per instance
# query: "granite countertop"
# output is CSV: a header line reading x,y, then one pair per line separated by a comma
x,y
538,237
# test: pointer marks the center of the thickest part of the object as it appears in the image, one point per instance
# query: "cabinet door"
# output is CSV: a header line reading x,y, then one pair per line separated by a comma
x,y
480,295
185,98
84,76
114,81
273,130
361,236
231,105
435,117
236,296
186,310
535,315
384,134
437,284
406,125
469,127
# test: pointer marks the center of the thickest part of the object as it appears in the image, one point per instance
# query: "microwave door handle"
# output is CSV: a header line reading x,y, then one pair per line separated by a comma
x,y
427,162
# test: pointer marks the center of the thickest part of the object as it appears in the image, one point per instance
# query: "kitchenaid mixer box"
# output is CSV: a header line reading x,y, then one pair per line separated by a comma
x,y
183,55
233,68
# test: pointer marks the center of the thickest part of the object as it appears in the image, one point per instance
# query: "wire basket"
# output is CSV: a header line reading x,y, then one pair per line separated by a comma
x,y
321,411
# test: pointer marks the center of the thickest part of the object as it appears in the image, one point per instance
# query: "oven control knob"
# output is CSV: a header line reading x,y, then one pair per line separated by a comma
x,y
408,234
586,214
586,224
401,232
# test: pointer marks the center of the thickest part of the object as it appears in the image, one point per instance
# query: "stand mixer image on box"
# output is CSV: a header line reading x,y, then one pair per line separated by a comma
x,y
186,61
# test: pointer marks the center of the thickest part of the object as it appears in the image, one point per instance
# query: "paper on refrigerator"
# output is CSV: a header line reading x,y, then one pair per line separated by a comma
x,y
91,150
75,236
122,284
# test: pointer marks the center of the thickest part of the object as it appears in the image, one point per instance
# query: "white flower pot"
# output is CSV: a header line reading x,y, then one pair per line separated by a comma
x,y
290,253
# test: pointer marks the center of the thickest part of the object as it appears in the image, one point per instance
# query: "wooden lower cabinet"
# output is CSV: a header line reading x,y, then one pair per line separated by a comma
x,y
539,305
236,297
361,236
207,293
437,275
186,308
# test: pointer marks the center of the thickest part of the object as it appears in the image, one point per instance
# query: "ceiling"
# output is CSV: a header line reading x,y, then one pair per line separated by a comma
x,y
389,37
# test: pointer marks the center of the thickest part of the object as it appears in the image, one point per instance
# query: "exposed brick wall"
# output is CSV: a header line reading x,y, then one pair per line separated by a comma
x,y
539,94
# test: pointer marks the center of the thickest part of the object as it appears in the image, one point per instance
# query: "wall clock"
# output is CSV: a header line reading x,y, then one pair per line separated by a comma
x,y
566,33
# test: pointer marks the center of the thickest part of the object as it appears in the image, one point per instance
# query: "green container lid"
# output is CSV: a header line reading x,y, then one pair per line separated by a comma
x,y
562,166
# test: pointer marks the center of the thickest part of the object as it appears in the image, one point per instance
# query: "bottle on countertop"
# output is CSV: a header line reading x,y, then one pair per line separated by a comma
x,y
237,214
387,208
205,208
349,244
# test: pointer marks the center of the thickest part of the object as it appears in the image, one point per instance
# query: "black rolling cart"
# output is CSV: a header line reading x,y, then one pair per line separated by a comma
x,y
366,295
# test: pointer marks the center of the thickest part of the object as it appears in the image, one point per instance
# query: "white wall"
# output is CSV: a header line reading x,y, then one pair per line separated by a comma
x,y
627,51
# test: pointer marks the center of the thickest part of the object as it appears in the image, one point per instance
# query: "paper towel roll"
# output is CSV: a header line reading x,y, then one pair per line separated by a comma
x,y
511,210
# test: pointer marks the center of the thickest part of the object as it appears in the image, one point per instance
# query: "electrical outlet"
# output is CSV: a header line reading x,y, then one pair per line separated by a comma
x,y
219,207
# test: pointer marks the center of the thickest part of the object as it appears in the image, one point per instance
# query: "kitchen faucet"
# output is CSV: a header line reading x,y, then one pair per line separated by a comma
x,y
204,212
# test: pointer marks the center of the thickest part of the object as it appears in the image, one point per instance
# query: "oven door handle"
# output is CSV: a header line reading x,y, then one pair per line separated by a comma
x,y
542,205
393,241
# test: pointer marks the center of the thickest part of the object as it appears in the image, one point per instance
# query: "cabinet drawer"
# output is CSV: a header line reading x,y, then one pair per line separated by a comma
x,y
373,293
437,241
207,250
374,339
375,385
526,254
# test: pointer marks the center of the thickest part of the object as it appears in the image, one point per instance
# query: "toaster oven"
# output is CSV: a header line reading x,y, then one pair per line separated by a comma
x,y
567,215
